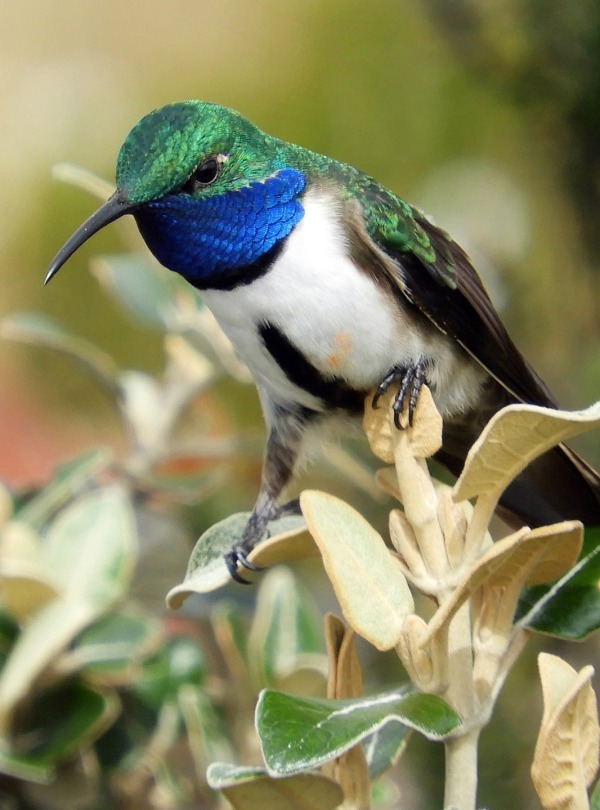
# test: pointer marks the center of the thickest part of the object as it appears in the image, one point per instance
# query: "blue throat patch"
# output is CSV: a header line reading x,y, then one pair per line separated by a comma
x,y
205,240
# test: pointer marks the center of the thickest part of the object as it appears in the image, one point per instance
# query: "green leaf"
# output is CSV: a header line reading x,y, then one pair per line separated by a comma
x,y
298,734
286,631
40,330
82,178
570,608
69,479
21,767
222,774
178,663
46,635
65,719
140,285
595,797
206,569
251,788
111,649
384,747
9,631
367,578
205,728
90,551
91,548
231,633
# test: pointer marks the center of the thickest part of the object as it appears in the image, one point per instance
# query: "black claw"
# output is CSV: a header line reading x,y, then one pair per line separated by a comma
x,y
289,508
410,380
395,375
238,556
231,563
256,530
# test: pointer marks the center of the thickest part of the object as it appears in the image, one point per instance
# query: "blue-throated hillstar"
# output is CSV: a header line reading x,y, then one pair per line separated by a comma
x,y
329,286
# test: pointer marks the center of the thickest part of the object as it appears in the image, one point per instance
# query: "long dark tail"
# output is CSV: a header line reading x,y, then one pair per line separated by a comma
x,y
559,485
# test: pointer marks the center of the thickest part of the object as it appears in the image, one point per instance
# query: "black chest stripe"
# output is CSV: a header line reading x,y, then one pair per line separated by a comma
x,y
333,391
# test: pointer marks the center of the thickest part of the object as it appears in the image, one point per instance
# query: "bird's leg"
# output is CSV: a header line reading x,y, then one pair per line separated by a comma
x,y
283,446
410,380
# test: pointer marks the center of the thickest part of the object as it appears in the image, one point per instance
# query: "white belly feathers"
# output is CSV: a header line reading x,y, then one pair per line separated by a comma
x,y
336,315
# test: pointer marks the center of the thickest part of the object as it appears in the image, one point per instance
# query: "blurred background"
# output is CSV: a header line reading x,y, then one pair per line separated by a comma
x,y
484,115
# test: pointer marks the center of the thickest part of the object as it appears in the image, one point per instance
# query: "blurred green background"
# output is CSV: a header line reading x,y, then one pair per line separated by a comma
x,y
486,115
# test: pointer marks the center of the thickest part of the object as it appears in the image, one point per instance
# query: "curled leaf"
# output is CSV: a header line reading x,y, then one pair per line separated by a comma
x,y
513,438
299,733
425,435
424,657
249,788
526,557
566,753
206,569
345,674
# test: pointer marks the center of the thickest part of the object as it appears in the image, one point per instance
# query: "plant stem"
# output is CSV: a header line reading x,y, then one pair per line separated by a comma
x,y
461,751
461,771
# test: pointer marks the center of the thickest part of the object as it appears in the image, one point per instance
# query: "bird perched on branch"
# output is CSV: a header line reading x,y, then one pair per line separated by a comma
x,y
329,286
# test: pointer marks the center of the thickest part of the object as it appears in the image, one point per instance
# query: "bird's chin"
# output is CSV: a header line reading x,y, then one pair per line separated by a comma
x,y
164,242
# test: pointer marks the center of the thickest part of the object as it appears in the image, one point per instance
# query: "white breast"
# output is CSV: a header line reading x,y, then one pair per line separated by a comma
x,y
332,311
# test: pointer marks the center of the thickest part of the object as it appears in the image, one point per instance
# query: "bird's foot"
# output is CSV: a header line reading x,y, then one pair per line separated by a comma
x,y
410,380
255,531
239,556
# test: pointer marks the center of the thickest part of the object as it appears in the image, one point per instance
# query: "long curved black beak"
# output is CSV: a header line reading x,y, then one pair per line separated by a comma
x,y
114,208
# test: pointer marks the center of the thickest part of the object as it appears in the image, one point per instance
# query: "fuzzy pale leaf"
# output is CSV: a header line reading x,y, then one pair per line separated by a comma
x,y
531,555
367,578
290,546
425,435
566,753
387,480
345,674
350,770
513,438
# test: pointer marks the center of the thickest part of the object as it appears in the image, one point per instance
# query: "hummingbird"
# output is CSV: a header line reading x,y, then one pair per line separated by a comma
x,y
329,287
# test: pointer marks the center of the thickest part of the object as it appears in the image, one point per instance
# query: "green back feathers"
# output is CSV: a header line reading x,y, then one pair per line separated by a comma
x,y
390,222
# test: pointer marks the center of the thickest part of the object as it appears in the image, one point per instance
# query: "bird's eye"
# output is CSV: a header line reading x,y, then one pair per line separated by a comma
x,y
206,174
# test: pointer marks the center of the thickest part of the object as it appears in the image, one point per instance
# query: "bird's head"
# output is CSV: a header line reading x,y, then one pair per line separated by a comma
x,y
209,191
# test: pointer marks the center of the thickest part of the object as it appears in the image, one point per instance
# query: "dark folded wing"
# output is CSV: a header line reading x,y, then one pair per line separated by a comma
x,y
442,283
